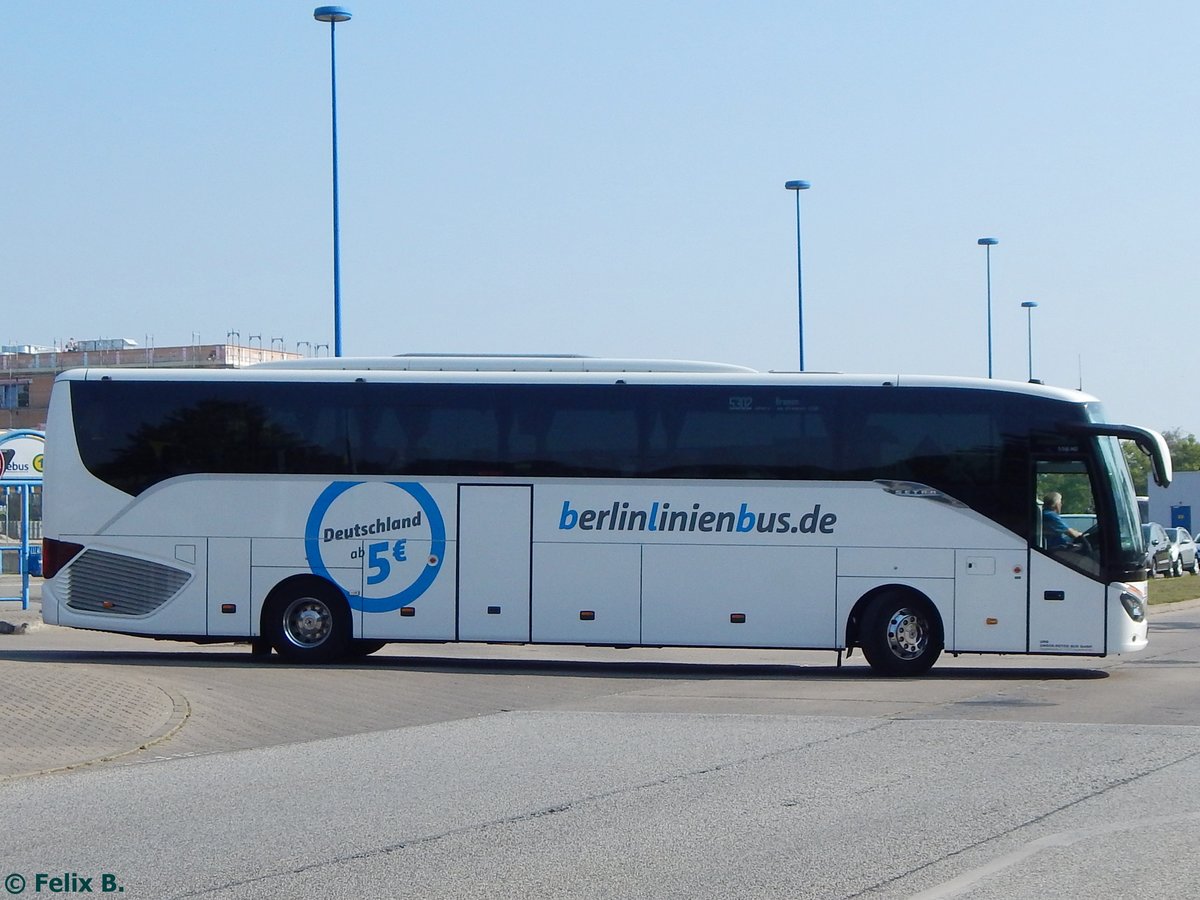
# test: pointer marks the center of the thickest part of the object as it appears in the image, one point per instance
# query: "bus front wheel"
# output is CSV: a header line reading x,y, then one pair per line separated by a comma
x,y
901,635
308,622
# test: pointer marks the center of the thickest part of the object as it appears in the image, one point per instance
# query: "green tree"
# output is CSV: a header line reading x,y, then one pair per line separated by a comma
x,y
1185,450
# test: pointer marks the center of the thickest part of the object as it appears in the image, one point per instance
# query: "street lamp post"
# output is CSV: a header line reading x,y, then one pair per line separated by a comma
x,y
799,186
989,243
1029,306
333,15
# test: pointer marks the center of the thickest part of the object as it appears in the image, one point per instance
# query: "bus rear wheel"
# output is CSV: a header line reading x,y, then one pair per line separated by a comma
x,y
308,622
901,635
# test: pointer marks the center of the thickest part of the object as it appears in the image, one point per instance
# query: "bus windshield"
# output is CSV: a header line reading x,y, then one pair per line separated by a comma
x,y
1125,519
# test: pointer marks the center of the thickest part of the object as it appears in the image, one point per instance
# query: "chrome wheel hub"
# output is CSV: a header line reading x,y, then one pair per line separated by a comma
x,y
907,634
307,622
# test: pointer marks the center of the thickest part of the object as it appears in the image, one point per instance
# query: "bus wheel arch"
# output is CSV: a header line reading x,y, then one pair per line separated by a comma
x,y
898,628
307,619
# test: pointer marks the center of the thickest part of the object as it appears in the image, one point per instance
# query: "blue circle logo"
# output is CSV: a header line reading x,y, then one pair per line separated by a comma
x,y
381,542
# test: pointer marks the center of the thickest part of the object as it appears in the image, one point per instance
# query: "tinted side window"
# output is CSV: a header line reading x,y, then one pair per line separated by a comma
x,y
737,432
134,434
973,445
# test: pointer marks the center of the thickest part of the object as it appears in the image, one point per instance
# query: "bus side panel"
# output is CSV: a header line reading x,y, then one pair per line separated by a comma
x,y
136,583
429,617
1066,609
587,594
738,596
228,571
907,562
991,608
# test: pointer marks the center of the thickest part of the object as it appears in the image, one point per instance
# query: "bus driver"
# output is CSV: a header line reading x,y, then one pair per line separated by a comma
x,y
1055,532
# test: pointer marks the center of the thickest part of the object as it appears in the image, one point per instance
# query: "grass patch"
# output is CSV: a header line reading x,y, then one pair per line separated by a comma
x,y
1174,590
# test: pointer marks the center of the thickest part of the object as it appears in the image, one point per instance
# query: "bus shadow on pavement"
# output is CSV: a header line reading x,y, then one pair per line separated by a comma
x,y
194,658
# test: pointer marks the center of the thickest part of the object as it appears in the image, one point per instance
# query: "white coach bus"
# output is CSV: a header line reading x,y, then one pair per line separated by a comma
x,y
326,507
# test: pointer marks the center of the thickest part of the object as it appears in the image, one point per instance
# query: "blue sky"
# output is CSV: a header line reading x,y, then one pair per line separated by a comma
x,y
608,179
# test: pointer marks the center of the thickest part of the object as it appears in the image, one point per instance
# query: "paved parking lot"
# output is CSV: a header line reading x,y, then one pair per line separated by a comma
x,y
513,771
73,697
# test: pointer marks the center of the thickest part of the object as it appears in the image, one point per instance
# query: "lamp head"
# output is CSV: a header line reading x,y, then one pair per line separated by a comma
x,y
987,242
797,185
331,14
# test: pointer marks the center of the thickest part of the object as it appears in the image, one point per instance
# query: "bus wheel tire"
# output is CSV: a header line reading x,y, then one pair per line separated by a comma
x,y
308,622
363,647
901,635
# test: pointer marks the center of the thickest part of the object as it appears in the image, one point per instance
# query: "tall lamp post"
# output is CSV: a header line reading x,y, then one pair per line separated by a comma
x,y
1029,306
333,15
988,244
799,186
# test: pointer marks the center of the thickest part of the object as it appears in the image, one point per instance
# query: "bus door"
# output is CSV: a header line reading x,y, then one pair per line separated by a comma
x,y
1066,591
495,537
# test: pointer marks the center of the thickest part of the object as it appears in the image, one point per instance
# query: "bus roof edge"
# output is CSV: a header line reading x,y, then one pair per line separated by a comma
x,y
416,362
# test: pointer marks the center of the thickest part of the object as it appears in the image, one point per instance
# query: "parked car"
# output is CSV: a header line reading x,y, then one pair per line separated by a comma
x,y
1160,552
1185,550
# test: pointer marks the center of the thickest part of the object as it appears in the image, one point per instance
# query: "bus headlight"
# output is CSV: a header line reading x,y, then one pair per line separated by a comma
x,y
1133,605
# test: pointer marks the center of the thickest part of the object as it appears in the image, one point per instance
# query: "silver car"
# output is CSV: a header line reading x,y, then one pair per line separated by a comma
x,y
1185,551
1160,552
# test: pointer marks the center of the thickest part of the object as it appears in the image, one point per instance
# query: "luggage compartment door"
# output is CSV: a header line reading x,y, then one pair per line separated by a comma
x,y
495,533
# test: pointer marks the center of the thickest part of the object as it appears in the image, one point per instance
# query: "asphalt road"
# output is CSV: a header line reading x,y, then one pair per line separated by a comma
x,y
569,772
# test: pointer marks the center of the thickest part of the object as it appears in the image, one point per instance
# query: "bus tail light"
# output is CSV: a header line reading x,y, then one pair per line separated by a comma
x,y
56,554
